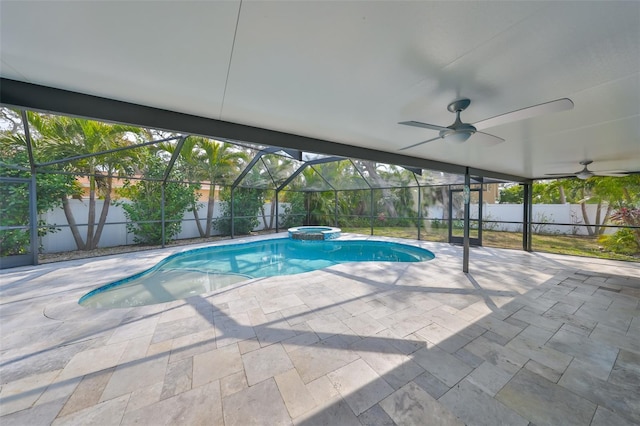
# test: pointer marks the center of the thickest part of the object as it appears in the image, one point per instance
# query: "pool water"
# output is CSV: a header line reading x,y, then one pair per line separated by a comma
x,y
312,229
208,269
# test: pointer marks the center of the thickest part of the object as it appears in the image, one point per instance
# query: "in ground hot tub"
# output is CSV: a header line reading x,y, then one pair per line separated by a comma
x,y
314,233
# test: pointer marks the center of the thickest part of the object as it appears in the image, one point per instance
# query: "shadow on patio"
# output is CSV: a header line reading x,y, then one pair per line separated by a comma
x,y
379,350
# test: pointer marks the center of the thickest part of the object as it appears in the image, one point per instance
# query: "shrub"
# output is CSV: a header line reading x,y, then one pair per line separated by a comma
x,y
246,206
295,213
144,210
14,199
622,242
631,217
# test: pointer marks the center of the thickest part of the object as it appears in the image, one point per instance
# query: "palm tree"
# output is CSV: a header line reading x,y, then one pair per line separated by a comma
x,y
190,162
210,161
66,137
320,205
279,169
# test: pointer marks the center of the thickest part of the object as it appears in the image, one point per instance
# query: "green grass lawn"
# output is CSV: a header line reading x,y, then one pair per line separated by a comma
x,y
575,245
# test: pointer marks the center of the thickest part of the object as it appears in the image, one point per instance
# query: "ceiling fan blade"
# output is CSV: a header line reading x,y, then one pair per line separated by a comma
x,y
619,173
486,139
559,175
419,143
524,113
423,125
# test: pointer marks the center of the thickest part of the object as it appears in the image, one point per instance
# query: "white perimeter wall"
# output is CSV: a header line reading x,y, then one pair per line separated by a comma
x,y
115,231
570,214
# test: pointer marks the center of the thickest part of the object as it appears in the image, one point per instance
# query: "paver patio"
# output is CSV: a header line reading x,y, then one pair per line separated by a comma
x,y
525,338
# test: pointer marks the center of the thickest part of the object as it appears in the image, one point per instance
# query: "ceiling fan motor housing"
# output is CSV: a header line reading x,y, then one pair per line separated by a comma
x,y
584,173
458,132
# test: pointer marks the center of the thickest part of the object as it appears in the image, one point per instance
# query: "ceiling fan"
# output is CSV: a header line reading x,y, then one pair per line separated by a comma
x,y
585,173
460,131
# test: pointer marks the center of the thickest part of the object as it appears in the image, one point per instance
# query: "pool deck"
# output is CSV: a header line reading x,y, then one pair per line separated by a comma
x,y
524,338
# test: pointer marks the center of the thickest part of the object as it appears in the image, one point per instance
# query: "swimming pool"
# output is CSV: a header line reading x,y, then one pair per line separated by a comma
x,y
208,269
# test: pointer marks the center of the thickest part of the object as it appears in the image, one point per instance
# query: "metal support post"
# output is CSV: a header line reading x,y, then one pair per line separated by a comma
x,y
162,213
372,212
527,216
233,219
277,215
33,190
335,208
419,211
33,218
467,200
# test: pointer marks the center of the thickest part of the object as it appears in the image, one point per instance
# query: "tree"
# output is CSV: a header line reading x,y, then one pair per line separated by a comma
x,y
319,205
320,183
403,182
624,195
295,212
357,208
629,217
436,196
14,199
545,192
144,208
10,120
189,163
246,206
221,161
512,194
63,137
210,161
279,169
606,192
387,199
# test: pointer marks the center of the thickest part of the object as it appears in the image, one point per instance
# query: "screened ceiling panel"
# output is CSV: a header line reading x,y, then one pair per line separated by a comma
x,y
257,177
341,175
252,146
308,180
431,177
293,154
380,175
235,165
127,158
83,147
280,167
311,156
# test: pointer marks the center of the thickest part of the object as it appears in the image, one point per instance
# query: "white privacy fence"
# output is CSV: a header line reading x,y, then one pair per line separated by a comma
x,y
115,229
552,218
555,218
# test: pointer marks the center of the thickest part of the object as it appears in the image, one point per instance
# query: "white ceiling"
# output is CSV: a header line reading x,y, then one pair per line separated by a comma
x,y
348,72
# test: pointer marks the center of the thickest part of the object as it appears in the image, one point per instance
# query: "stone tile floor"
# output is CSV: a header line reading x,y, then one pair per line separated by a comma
x,y
524,338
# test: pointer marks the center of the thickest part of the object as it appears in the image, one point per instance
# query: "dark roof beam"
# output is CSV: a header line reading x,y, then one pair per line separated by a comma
x,y
43,98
